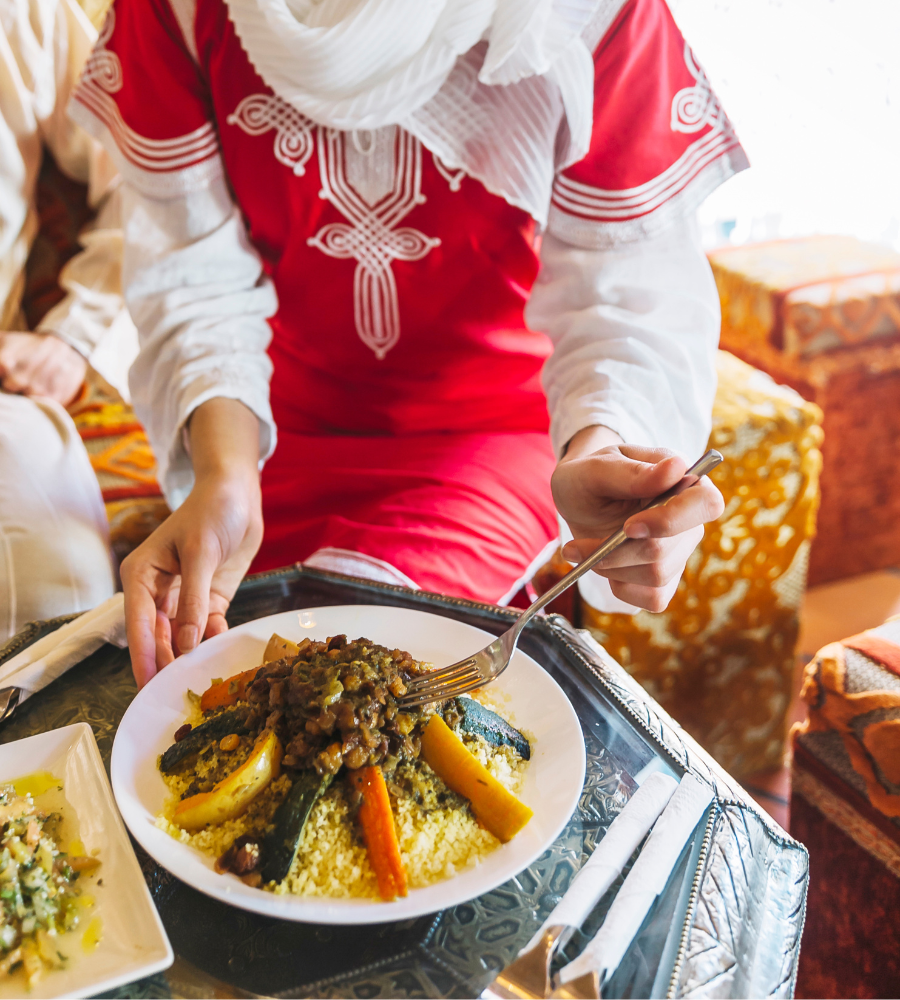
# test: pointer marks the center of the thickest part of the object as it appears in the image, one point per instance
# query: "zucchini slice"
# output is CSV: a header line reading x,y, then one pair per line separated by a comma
x,y
481,721
202,735
280,845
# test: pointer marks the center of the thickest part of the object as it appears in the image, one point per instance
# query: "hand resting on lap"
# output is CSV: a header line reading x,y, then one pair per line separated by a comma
x,y
39,364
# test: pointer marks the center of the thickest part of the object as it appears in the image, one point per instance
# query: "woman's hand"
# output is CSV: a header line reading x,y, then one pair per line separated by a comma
x,y
39,364
179,582
600,482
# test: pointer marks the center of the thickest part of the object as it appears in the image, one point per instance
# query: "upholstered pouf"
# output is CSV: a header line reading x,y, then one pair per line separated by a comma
x,y
822,314
720,659
845,807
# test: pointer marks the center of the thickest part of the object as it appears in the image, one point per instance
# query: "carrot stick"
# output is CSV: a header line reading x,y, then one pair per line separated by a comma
x,y
227,692
377,822
497,809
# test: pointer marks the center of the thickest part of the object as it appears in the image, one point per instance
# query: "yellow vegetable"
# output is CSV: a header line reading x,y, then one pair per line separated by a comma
x,y
277,648
231,796
499,811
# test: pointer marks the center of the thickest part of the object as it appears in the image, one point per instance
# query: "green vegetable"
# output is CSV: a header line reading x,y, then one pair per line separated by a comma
x,y
481,721
202,735
280,846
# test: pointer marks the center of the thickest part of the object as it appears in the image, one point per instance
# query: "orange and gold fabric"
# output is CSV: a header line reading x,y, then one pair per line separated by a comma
x,y
720,659
123,461
858,697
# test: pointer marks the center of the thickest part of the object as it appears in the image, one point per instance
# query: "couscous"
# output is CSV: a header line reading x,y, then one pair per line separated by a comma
x,y
303,776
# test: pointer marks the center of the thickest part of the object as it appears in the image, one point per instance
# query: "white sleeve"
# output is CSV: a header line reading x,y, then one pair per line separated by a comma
x,y
91,279
635,331
196,290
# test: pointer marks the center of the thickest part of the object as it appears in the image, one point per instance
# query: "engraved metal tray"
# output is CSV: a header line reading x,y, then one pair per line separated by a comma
x,y
728,924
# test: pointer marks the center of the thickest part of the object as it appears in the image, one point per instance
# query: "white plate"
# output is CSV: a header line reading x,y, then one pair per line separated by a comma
x,y
527,695
134,943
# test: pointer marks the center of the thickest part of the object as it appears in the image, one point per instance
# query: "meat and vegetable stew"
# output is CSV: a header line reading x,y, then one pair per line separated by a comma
x,y
310,755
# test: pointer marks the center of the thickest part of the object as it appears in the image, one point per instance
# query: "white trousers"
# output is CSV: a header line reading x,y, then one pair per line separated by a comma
x,y
54,538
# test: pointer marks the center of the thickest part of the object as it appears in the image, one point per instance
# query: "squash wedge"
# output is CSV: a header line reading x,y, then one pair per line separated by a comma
x,y
498,810
277,648
227,692
231,796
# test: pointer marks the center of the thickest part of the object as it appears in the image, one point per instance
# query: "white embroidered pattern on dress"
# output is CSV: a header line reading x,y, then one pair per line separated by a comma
x,y
101,79
453,177
374,179
372,237
693,108
259,113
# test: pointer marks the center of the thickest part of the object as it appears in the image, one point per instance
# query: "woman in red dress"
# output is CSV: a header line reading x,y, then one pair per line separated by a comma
x,y
336,214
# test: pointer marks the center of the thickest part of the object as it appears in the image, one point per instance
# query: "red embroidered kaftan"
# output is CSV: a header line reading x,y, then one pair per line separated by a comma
x,y
406,388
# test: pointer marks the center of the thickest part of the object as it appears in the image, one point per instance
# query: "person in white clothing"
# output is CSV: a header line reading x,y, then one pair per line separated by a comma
x,y
54,540
376,227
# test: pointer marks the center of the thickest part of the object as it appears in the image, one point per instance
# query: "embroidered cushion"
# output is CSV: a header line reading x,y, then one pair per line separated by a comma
x,y
845,808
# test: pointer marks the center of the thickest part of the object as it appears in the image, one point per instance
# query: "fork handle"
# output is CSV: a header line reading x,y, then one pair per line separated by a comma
x,y
700,468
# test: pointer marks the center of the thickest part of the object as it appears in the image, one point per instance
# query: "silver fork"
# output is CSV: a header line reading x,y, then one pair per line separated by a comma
x,y
483,667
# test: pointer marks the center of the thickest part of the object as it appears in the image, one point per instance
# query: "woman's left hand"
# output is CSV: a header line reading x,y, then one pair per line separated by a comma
x,y
40,364
601,483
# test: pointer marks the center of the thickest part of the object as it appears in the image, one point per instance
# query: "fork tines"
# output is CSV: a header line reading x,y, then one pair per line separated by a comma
x,y
441,684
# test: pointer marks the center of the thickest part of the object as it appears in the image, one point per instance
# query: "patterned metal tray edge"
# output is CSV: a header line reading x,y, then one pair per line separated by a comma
x,y
751,875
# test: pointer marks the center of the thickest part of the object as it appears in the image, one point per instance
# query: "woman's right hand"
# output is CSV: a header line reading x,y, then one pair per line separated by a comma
x,y
179,582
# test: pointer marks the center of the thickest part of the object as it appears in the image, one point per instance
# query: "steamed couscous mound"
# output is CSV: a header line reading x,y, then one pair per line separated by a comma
x,y
311,775
332,861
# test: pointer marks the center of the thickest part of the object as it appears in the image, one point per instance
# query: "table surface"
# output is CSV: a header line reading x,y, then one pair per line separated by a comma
x,y
740,872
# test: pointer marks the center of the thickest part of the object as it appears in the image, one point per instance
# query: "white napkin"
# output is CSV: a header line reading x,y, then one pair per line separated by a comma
x,y
48,658
645,881
611,855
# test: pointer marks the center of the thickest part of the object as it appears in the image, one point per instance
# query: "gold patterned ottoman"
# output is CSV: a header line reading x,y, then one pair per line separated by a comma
x,y
845,807
720,659
822,314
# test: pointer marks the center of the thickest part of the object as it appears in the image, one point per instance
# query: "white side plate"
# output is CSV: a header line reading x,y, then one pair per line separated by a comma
x,y
525,693
134,943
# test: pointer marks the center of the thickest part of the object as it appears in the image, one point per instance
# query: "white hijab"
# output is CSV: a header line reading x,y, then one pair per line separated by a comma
x,y
485,84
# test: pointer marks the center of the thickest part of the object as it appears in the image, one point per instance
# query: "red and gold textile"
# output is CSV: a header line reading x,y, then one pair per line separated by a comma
x,y
852,689
822,314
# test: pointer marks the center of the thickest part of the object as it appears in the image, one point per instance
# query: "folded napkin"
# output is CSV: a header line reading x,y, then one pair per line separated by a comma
x,y
48,658
645,881
611,855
